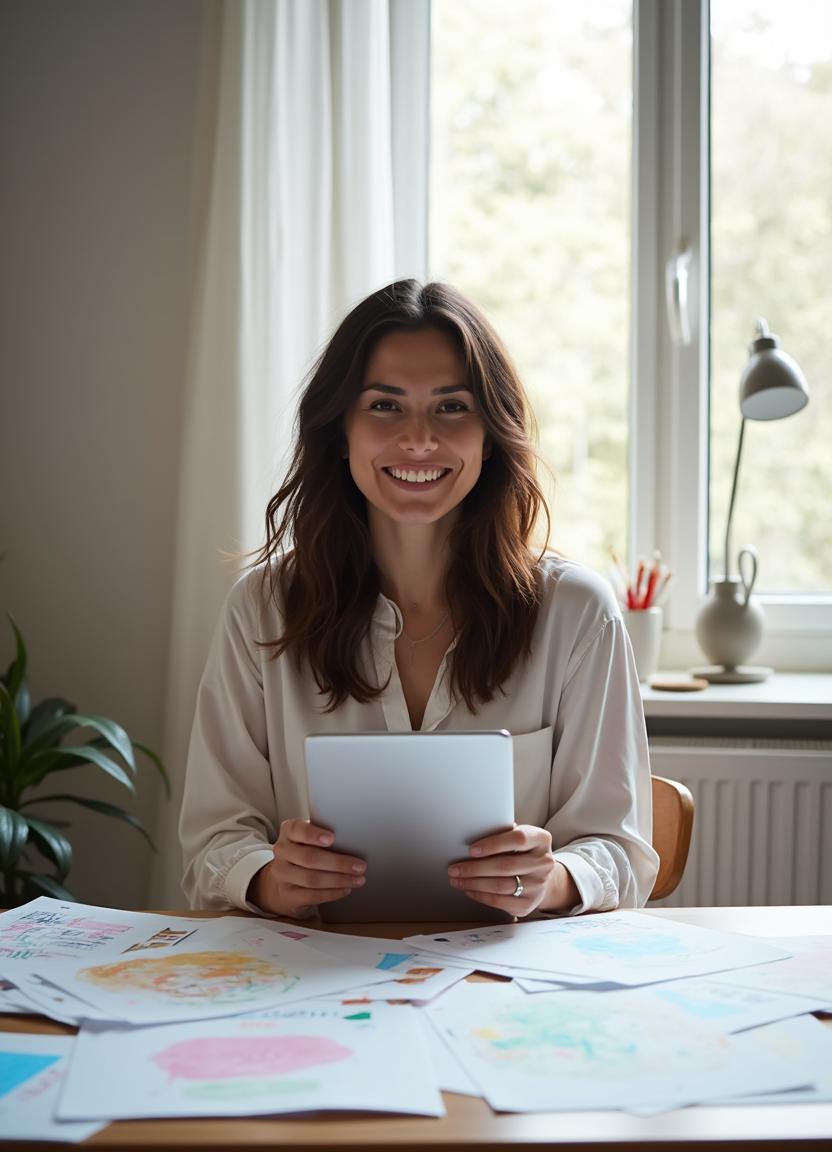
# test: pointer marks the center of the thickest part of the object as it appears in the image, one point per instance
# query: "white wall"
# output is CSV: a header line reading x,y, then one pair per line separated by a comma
x,y
97,136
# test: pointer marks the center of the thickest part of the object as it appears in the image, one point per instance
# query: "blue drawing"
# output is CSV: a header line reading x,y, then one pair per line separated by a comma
x,y
630,948
18,1067
704,1009
393,959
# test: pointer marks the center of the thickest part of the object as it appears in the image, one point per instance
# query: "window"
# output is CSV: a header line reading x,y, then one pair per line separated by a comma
x,y
577,152
771,226
529,214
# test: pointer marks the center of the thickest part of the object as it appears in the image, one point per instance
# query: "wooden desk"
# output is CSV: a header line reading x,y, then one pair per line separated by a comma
x,y
470,1124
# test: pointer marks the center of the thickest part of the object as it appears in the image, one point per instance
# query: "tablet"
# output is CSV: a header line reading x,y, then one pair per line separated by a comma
x,y
409,803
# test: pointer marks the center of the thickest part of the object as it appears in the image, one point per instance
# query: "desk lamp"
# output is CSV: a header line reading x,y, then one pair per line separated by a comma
x,y
729,626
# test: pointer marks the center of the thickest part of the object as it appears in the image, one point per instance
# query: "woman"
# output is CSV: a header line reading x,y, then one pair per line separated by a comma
x,y
410,599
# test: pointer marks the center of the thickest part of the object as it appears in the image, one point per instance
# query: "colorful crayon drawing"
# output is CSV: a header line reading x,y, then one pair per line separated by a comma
x,y
45,934
576,1041
233,1057
18,1067
214,977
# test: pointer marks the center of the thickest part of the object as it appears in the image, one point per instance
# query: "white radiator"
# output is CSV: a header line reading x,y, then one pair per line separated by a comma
x,y
762,825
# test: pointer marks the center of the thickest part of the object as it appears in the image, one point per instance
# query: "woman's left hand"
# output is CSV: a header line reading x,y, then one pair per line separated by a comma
x,y
497,862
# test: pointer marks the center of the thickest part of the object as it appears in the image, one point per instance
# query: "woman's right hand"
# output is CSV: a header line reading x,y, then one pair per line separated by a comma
x,y
304,872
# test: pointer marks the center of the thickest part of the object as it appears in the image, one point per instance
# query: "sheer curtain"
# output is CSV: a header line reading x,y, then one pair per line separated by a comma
x,y
312,192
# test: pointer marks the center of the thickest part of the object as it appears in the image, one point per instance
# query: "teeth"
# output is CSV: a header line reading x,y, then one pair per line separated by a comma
x,y
413,477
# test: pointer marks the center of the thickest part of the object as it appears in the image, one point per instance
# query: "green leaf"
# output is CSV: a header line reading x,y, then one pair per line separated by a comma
x,y
36,883
23,704
99,806
14,832
52,844
44,719
56,759
16,671
155,760
113,733
10,731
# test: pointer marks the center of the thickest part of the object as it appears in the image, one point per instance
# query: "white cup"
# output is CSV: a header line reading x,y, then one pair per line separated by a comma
x,y
644,627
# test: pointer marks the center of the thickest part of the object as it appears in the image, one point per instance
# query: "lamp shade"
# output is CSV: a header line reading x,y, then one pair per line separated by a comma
x,y
772,385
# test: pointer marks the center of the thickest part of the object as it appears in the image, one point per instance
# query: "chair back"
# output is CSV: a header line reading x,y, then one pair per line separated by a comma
x,y
672,827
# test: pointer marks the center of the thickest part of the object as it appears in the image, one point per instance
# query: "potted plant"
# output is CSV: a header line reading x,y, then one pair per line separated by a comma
x,y
32,747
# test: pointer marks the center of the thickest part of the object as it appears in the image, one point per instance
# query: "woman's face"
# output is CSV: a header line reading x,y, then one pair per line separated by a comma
x,y
415,436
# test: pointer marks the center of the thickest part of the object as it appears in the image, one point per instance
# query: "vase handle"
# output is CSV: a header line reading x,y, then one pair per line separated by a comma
x,y
747,558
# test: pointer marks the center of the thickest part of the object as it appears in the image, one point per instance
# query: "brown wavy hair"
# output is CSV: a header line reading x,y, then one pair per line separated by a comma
x,y
318,551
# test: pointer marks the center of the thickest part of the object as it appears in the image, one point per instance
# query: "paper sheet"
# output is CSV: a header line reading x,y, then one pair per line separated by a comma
x,y
306,1058
47,929
449,1073
732,1007
624,947
220,972
804,1039
414,975
806,972
32,1070
586,1051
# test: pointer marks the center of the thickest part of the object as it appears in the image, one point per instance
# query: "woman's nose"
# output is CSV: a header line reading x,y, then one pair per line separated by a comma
x,y
417,435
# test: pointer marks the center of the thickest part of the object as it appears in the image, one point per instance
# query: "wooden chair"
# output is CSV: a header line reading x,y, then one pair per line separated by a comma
x,y
672,827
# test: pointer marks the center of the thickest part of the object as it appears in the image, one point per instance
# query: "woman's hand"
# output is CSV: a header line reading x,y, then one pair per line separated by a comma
x,y
496,863
304,872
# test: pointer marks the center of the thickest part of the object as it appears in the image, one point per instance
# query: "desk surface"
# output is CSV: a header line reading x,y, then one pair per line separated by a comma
x,y
470,1124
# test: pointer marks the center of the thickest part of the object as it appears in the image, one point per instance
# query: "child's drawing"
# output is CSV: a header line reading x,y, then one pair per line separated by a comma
x,y
222,978
229,1057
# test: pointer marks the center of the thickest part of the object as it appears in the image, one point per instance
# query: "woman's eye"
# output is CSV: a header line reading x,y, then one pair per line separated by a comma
x,y
383,406
453,406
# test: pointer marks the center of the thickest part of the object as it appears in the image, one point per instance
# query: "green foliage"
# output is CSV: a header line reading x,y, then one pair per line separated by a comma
x,y
31,748
530,215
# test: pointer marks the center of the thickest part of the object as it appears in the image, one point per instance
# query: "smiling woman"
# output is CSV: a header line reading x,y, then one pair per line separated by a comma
x,y
398,590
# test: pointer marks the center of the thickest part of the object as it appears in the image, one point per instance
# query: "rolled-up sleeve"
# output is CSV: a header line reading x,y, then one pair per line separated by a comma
x,y
228,819
600,784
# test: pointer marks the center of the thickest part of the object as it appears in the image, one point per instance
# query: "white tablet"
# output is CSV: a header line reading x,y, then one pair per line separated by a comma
x,y
409,803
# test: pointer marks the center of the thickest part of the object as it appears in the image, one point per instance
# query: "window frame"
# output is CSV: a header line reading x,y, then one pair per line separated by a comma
x,y
670,377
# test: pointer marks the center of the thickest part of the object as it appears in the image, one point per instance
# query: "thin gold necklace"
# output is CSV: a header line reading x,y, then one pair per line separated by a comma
x,y
430,635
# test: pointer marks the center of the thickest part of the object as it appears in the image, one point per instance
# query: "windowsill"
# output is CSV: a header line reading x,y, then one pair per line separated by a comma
x,y
789,696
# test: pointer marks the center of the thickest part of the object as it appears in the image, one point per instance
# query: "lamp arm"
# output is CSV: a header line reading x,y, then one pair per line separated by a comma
x,y
727,574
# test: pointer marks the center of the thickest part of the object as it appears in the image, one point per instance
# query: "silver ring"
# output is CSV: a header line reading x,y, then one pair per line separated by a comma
x,y
518,887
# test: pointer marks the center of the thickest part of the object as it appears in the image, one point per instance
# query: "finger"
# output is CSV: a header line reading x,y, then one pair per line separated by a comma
x,y
492,885
319,859
520,838
520,864
311,880
323,896
305,832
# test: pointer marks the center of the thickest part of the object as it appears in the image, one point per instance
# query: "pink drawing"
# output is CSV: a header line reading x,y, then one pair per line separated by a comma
x,y
221,1058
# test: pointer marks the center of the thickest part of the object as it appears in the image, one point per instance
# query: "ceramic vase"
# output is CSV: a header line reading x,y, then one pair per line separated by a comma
x,y
729,627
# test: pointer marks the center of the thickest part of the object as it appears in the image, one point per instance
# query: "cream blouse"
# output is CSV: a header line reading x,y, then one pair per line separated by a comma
x,y
581,766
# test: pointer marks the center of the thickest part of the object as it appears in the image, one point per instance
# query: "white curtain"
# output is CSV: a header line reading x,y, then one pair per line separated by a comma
x,y
310,194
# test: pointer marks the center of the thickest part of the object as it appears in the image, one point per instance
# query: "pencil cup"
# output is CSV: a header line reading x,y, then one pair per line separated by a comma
x,y
644,628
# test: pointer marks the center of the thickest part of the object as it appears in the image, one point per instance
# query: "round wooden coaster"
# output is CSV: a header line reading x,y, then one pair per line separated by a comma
x,y
683,684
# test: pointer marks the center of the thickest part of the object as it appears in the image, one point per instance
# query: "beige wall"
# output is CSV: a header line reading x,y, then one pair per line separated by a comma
x,y
97,131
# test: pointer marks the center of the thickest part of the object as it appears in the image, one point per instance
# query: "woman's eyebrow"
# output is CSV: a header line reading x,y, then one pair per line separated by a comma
x,y
392,390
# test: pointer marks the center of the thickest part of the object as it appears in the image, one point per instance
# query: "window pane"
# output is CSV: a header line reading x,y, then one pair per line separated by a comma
x,y
771,140
530,216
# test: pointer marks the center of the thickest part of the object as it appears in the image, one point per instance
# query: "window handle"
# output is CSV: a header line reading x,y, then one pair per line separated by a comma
x,y
676,291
